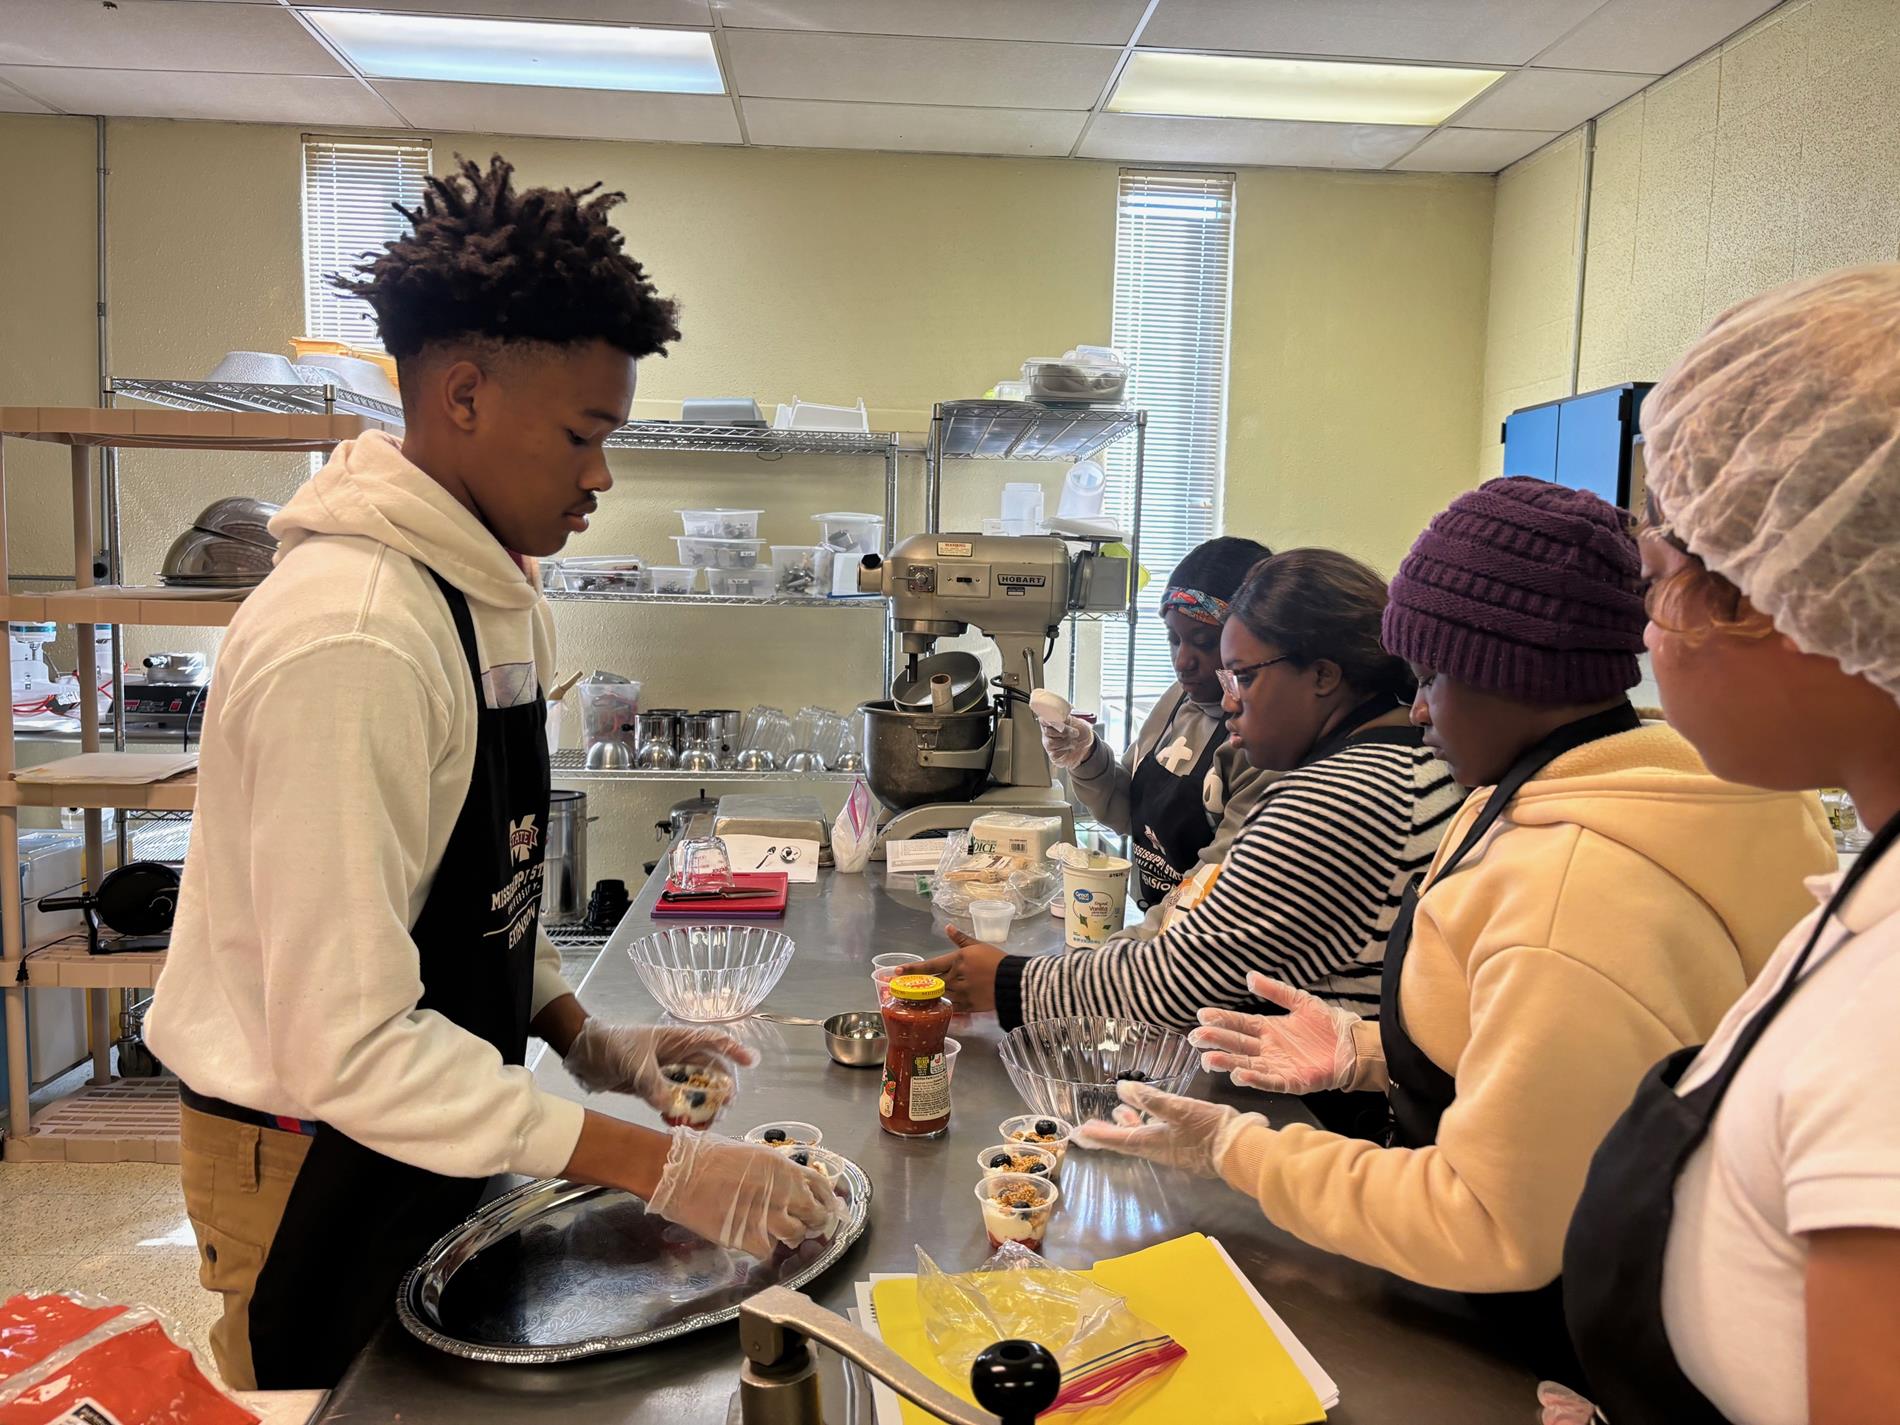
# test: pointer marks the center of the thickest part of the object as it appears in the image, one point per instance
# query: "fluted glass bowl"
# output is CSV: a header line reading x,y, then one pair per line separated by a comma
x,y
709,973
1071,1068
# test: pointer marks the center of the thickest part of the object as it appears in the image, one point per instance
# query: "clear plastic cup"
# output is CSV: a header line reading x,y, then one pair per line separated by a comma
x,y
796,1135
1033,1128
1010,1158
1016,1208
991,920
884,969
951,1048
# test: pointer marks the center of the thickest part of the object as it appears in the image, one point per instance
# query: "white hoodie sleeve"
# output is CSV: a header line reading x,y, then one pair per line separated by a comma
x,y
339,831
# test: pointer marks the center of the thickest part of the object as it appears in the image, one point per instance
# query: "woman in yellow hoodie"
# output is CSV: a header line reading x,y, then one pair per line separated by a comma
x,y
1599,903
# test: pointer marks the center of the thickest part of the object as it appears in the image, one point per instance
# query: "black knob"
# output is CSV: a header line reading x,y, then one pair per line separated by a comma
x,y
1016,1381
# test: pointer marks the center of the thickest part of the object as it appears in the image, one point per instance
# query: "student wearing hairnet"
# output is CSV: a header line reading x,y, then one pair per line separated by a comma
x,y
1599,902
1736,1254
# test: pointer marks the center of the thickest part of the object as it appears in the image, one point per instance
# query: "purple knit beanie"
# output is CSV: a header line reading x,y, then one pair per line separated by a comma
x,y
1526,589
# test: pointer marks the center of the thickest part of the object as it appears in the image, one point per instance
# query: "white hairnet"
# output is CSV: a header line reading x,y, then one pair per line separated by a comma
x,y
1773,451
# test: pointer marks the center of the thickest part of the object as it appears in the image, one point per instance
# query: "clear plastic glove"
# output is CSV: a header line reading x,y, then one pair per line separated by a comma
x,y
1305,1050
1185,1133
627,1058
742,1195
1563,1406
1067,742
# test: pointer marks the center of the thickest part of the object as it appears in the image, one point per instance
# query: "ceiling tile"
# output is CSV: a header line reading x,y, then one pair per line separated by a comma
x,y
1645,37
1472,150
986,74
1547,99
1451,31
563,113
1097,22
1147,138
911,128
621,12
161,34
231,98
12,101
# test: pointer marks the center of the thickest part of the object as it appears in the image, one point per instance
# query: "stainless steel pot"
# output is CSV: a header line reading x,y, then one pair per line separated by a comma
x,y
564,867
917,757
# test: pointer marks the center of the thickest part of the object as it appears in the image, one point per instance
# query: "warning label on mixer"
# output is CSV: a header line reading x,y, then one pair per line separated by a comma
x,y
953,549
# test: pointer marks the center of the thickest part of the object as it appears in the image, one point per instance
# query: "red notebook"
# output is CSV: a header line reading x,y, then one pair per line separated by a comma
x,y
747,908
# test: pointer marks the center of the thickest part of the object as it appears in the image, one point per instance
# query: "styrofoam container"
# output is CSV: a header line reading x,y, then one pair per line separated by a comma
x,y
673,578
721,524
740,583
801,571
706,553
851,533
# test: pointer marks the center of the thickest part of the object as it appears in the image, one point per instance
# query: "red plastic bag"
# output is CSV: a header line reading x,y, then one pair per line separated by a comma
x,y
99,1364
34,1325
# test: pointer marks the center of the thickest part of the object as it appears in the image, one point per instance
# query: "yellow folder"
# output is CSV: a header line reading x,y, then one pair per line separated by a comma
x,y
1236,1371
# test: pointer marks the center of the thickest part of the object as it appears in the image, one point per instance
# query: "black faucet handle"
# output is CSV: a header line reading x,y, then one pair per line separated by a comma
x,y
1016,1381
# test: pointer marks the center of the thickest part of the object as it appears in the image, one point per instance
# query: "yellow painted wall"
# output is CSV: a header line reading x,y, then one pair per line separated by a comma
x,y
1773,157
1358,328
1358,334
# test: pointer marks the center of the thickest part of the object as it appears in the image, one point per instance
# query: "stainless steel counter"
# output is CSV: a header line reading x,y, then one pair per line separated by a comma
x,y
1399,1353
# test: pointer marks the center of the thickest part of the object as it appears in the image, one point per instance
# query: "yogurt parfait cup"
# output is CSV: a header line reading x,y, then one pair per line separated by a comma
x,y
786,1134
700,1092
1021,1159
1042,1130
1016,1208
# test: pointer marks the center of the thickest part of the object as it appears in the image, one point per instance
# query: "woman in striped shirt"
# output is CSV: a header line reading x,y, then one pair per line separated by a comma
x,y
1314,879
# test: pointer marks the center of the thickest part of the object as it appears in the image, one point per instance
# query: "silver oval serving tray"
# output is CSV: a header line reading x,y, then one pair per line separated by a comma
x,y
557,1271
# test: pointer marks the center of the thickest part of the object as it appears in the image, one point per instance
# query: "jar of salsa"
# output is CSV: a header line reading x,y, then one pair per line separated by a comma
x,y
915,1102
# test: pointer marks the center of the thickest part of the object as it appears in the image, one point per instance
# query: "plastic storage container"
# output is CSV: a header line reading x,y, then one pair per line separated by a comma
x,y
604,574
1078,378
801,571
721,524
709,554
740,583
673,578
847,532
808,415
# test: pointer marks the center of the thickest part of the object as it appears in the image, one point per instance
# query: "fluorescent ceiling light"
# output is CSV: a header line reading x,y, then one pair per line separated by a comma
x,y
1219,86
555,56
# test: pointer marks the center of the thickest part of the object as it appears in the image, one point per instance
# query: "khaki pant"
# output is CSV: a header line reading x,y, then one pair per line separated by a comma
x,y
237,1178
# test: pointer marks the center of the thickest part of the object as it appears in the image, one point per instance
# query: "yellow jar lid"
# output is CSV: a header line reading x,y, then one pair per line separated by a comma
x,y
917,987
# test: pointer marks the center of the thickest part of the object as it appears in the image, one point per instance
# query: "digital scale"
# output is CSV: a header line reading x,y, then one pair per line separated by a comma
x,y
167,693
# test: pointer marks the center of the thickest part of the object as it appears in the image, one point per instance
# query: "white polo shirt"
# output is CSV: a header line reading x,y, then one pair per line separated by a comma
x,y
1807,1140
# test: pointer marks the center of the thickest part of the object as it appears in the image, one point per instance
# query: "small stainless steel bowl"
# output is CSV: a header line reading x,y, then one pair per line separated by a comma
x,y
856,1040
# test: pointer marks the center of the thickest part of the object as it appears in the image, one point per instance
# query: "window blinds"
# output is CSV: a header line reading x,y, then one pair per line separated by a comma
x,y
348,192
1173,278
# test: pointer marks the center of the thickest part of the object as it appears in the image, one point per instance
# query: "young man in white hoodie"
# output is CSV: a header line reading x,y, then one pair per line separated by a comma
x,y
357,963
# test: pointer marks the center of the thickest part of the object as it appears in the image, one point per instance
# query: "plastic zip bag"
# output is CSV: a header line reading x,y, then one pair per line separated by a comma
x,y
65,1356
1106,1351
961,878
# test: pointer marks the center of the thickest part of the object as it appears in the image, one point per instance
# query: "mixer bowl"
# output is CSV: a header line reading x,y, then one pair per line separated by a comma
x,y
893,740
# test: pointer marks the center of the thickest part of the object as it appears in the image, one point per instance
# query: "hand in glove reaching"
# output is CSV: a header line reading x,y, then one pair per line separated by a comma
x,y
627,1058
742,1195
1305,1050
1067,742
1185,1133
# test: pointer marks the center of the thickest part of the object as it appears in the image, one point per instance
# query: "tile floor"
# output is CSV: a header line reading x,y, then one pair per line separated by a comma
x,y
118,1229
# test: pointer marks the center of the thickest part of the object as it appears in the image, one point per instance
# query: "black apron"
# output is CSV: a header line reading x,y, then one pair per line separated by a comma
x,y
1168,817
1354,1113
1420,1092
357,1220
1619,1234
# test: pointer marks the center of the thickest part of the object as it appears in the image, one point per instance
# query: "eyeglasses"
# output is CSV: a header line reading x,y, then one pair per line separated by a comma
x,y
1232,680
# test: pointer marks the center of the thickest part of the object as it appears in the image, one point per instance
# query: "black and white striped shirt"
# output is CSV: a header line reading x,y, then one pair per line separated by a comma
x,y
1307,894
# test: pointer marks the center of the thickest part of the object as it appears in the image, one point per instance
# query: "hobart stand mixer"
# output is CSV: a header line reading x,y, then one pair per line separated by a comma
x,y
940,751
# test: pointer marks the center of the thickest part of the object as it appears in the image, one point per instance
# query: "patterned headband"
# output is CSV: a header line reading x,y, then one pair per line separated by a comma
x,y
1202,608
